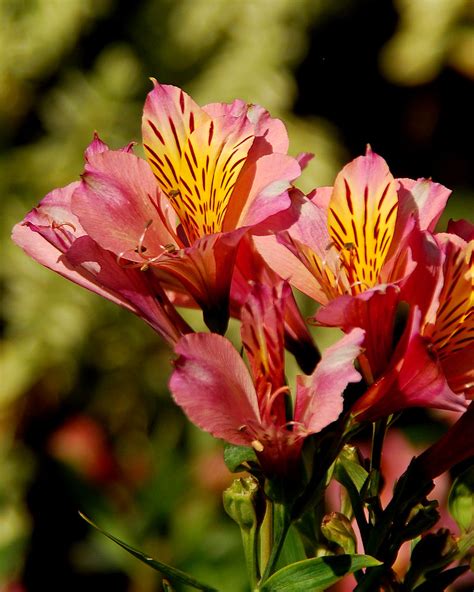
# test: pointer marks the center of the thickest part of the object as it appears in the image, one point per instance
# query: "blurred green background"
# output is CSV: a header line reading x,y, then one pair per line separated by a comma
x,y
86,421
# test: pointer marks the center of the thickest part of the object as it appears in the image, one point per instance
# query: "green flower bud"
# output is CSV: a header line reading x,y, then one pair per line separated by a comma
x,y
337,529
240,500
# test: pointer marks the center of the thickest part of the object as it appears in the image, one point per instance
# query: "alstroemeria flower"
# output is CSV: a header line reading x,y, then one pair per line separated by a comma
x,y
433,365
211,173
53,235
220,395
350,249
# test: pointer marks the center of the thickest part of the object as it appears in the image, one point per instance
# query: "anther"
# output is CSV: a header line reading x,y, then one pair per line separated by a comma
x,y
257,445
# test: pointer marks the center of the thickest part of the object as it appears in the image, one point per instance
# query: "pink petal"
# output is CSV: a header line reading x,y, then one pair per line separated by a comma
x,y
374,311
262,333
271,129
212,384
116,201
205,271
303,222
423,199
169,116
234,109
454,447
53,236
251,268
304,158
462,228
415,379
137,290
261,190
321,197
95,147
319,399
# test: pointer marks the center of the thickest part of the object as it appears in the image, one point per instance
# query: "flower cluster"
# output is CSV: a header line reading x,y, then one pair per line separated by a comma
x,y
212,219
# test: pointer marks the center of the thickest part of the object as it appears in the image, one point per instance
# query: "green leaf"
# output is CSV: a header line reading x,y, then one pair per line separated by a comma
x,y
293,548
235,456
353,477
346,469
461,500
171,572
316,574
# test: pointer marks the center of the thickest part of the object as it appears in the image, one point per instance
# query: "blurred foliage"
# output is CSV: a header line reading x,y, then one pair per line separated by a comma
x,y
86,421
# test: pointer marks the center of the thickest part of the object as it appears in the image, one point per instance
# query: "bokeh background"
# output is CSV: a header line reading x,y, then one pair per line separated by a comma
x,y
86,421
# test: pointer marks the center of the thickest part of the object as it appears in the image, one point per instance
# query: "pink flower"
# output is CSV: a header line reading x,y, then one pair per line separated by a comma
x,y
433,363
350,248
211,173
220,395
52,235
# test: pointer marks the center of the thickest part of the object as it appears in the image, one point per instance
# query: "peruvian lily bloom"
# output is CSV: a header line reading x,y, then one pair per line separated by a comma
x,y
247,407
211,173
350,248
433,365
53,235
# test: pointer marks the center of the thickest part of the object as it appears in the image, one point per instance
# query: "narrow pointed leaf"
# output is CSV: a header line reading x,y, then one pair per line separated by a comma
x,y
293,549
171,572
316,574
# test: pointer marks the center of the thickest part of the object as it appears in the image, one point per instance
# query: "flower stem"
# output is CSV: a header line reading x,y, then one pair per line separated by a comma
x,y
266,536
280,525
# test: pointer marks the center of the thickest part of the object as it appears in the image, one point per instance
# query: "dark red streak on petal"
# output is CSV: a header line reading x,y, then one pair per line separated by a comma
x,y
155,131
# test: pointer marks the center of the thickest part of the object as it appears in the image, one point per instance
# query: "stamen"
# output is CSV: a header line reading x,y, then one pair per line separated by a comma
x,y
257,445
57,226
271,398
140,248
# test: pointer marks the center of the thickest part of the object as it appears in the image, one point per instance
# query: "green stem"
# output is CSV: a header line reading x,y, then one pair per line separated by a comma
x,y
250,544
266,535
378,436
280,524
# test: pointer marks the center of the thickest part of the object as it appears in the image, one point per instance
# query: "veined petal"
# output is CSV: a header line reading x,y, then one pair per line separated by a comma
x,y
319,399
136,290
120,206
362,216
374,311
453,330
213,386
211,161
250,268
205,271
52,235
415,378
261,190
263,340
169,116
423,199
271,129
303,223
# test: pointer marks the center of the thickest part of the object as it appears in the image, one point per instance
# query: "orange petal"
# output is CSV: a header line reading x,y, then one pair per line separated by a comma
x,y
361,218
169,116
